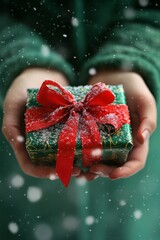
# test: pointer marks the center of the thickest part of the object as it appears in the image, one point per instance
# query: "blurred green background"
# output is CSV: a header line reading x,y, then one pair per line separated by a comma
x,y
37,209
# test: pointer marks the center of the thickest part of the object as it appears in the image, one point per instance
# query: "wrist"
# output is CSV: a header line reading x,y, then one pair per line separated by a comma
x,y
114,77
35,76
129,80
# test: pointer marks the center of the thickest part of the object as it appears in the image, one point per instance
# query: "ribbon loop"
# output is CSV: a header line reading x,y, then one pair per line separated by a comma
x,y
99,95
50,97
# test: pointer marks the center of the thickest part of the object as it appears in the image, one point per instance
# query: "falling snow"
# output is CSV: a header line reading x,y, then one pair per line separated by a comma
x,y
34,194
47,211
13,227
129,13
45,50
89,220
53,177
70,223
81,181
137,214
92,71
20,139
44,232
96,152
17,181
143,3
74,22
122,203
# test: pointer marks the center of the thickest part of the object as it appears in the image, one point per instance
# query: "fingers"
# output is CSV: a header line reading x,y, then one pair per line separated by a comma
x,y
13,130
88,175
16,140
24,161
29,168
102,170
136,162
76,171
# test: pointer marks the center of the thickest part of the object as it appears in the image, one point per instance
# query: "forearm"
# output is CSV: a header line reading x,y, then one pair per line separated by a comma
x,y
20,49
133,47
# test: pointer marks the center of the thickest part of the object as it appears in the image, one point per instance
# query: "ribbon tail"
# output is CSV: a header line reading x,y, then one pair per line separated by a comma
x,y
66,148
91,140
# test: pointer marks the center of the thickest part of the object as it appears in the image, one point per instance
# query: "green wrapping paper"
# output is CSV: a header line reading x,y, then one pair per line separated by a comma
x,y
42,144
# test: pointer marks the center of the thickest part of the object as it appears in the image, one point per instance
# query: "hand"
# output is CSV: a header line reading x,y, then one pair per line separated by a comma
x,y
142,108
13,121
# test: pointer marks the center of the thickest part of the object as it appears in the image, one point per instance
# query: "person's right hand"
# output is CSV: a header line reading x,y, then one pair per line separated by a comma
x,y
13,120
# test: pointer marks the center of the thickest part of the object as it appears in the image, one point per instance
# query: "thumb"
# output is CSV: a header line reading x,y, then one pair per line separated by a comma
x,y
148,119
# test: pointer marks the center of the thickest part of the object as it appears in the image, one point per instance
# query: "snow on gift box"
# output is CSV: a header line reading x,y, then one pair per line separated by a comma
x,y
79,126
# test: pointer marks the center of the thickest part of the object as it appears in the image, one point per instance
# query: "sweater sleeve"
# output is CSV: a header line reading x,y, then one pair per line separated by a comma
x,y
21,48
132,45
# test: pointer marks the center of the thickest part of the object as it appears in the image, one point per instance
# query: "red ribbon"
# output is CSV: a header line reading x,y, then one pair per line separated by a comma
x,y
60,106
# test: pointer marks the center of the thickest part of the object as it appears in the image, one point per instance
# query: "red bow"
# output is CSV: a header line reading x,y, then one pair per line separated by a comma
x,y
57,106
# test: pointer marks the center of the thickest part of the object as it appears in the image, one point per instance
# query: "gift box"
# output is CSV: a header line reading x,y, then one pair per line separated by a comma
x,y
77,126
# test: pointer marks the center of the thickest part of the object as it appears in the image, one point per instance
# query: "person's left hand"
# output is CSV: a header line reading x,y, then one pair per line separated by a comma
x,y
142,107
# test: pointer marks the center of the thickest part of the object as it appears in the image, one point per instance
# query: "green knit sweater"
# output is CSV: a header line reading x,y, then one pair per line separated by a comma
x,y
76,35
